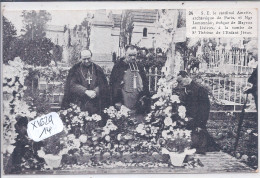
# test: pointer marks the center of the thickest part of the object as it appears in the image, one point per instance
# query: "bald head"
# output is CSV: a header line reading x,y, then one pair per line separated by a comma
x,y
86,56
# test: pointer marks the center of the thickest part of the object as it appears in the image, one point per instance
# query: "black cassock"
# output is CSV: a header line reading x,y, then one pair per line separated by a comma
x,y
196,100
117,83
83,77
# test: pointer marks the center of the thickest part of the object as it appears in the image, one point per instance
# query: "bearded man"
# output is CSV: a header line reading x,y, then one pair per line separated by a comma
x,y
129,83
86,86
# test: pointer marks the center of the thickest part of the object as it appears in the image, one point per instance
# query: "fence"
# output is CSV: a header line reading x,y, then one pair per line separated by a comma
x,y
228,90
228,62
56,89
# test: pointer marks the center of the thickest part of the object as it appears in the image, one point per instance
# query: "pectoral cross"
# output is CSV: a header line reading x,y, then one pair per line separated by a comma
x,y
134,69
134,84
89,79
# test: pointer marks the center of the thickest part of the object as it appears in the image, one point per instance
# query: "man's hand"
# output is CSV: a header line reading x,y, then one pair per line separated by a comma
x,y
248,89
118,105
198,129
91,93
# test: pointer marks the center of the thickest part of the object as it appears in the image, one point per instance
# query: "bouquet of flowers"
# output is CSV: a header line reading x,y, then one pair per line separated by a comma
x,y
79,122
120,117
14,105
167,122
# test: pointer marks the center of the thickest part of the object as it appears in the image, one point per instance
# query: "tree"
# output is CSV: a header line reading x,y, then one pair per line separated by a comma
x,y
127,27
37,52
86,24
74,51
35,48
57,53
9,36
34,23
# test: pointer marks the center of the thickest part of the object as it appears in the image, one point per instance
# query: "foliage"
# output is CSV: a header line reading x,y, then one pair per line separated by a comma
x,y
36,52
34,24
150,59
74,54
181,22
40,99
57,53
86,23
9,35
33,47
14,105
223,127
127,27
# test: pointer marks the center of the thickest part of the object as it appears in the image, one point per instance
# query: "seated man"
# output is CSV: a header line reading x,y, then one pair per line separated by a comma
x,y
196,101
129,83
86,86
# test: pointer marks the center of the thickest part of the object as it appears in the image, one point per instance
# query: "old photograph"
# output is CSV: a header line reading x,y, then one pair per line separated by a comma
x,y
129,91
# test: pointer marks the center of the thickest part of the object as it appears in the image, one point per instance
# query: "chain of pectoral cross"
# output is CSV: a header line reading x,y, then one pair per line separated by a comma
x,y
134,69
89,76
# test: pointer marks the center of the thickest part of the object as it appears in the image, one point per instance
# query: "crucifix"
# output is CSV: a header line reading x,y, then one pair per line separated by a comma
x,y
134,85
89,79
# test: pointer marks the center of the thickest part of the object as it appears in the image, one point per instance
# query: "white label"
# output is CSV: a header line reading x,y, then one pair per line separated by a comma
x,y
44,126
221,22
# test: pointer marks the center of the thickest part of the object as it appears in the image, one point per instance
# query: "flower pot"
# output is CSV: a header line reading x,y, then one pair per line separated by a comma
x,y
52,161
177,158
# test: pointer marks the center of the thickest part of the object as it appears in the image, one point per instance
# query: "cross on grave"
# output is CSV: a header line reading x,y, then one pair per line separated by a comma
x,y
89,79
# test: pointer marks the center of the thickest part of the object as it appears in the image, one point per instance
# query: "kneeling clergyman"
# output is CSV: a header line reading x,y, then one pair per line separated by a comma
x,y
86,86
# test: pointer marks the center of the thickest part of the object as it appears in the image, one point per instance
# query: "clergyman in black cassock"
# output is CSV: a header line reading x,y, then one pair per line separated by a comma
x,y
196,101
86,86
129,83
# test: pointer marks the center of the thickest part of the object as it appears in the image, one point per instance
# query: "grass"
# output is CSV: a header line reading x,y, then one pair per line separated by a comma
x,y
223,127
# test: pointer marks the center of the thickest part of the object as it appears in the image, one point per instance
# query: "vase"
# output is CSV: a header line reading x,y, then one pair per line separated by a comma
x,y
176,157
52,161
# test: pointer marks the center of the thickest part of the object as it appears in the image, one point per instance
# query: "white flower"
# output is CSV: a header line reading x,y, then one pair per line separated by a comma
x,y
175,98
249,131
154,130
119,137
96,117
52,63
155,96
75,144
83,138
160,102
10,149
168,121
182,111
71,137
108,127
167,90
107,138
141,129
165,134
65,112
174,124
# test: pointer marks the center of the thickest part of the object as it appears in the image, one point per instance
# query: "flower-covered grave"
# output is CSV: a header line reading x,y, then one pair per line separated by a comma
x,y
116,138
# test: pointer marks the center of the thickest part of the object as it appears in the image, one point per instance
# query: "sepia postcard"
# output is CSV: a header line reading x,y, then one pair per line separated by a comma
x,y
129,87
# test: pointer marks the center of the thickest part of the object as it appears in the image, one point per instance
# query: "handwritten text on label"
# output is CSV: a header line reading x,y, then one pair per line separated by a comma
x,y
44,126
